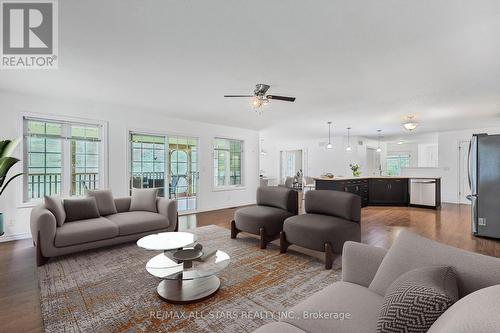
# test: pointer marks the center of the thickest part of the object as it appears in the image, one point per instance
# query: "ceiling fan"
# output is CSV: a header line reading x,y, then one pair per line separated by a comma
x,y
260,98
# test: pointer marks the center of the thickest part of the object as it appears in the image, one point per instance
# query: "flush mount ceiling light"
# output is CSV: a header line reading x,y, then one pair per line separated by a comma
x,y
400,142
410,123
378,148
329,145
348,148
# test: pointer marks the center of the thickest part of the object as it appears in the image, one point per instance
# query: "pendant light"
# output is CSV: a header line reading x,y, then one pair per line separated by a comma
x,y
348,148
378,148
329,145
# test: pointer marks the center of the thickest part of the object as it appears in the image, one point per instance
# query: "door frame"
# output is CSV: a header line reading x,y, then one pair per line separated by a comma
x,y
460,198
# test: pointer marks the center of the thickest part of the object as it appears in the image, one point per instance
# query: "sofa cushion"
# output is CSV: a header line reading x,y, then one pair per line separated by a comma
x,y
80,209
144,199
278,327
251,219
334,203
279,197
136,222
312,231
358,306
104,200
416,300
56,207
85,231
410,251
476,312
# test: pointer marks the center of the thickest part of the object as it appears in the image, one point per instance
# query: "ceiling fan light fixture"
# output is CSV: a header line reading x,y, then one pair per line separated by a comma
x,y
256,103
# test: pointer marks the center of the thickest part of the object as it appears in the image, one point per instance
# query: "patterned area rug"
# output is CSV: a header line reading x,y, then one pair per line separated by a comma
x,y
109,290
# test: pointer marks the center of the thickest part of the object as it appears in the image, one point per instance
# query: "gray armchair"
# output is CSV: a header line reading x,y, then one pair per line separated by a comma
x,y
331,219
274,205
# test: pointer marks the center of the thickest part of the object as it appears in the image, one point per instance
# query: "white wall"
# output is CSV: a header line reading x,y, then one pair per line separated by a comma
x,y
121,119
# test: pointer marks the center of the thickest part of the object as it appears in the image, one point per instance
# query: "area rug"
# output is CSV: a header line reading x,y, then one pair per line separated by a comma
x,y
109,290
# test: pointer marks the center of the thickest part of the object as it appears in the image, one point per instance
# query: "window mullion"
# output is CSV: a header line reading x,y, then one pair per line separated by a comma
x,y
66,160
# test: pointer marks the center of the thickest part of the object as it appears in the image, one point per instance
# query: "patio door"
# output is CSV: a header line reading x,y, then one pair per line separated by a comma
x,y
169,163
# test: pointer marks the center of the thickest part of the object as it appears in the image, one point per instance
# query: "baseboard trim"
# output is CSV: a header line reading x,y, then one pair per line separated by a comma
x,y
9,238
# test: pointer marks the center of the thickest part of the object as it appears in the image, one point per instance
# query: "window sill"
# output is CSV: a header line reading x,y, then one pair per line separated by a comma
x,y
29,204
228,188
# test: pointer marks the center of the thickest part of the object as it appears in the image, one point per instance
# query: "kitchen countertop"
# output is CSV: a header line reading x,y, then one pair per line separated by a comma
x,y
373,177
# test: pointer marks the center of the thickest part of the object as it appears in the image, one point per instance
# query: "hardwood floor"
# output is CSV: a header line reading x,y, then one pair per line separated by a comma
x,y
19,295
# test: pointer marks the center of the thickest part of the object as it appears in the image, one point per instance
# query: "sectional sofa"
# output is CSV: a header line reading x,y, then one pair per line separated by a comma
x,y
367,273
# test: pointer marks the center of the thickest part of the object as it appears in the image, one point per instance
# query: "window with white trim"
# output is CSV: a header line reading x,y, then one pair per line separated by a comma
x,y
395,161
61,157
228,164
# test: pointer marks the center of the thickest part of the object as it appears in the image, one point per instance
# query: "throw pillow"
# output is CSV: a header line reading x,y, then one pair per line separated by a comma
x,y
55,206
416,300
105,201
81,209
144,199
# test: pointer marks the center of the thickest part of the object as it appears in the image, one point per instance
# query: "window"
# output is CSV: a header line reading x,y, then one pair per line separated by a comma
x,y
396,161
61,158
228,162
148,162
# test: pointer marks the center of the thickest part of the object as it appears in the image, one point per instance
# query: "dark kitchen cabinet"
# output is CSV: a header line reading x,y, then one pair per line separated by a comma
x,y
388,191
355,186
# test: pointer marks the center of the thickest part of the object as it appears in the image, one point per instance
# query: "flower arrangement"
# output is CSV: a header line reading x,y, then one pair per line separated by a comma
x,y
355,169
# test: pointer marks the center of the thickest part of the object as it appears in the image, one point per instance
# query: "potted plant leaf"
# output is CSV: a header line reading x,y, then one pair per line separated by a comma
x,y
6,163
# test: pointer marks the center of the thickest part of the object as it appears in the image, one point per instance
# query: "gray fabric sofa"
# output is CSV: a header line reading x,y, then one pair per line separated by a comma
x,y
367,272
274,205
331,219
124,226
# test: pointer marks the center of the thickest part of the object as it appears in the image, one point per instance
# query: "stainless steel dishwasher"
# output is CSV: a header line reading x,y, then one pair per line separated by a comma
x,y
423,192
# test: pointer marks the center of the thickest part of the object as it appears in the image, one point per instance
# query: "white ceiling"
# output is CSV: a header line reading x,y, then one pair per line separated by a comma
x,y
363,64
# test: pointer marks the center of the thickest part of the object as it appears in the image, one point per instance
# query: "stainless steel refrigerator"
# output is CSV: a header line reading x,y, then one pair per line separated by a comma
x,y
484,181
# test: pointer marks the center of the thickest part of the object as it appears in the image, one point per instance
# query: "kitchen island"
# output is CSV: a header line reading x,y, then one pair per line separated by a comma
x,y
385,190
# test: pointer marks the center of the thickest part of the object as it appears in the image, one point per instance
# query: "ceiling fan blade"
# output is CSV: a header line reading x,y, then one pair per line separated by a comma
x,y
238,95
281,98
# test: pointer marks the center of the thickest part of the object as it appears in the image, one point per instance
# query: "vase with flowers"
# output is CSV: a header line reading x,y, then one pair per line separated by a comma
x,y
355,169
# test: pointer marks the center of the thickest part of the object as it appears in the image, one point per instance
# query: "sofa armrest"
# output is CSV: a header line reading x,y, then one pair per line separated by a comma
x,y
43,224
360,262
168,208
